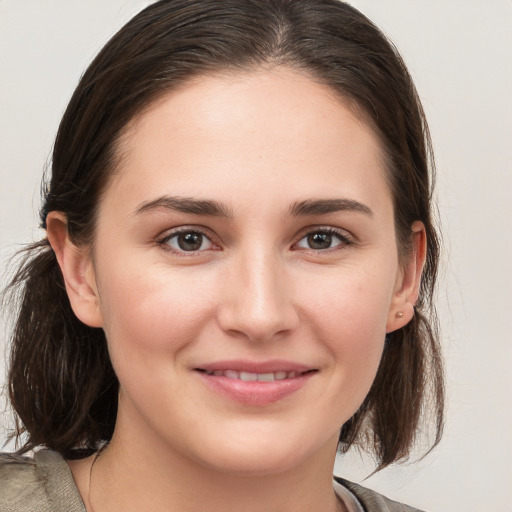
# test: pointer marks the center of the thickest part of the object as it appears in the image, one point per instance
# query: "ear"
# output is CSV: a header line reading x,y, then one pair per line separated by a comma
x,y
77,269
408,282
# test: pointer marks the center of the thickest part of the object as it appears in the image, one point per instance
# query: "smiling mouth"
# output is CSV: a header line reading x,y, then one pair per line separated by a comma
x,y
252,377
251,384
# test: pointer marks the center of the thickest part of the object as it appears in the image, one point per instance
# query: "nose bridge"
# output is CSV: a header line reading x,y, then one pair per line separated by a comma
x,y
260,303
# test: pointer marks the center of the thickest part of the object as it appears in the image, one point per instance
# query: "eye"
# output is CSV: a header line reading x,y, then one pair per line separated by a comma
x,y
323,239
187,241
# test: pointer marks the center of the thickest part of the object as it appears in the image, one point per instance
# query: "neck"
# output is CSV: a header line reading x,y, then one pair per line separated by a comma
x,y
151,477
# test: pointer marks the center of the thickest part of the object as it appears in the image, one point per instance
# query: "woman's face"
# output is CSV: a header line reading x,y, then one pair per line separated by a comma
x,y
246,271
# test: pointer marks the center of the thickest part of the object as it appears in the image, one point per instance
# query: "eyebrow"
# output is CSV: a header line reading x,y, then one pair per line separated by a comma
x,y
324,206
216,209
186,205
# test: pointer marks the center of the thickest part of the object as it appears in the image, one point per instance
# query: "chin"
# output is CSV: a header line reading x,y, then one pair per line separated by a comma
x,y
264,456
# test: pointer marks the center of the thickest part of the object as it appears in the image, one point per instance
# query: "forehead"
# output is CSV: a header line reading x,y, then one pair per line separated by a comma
x,y
259,131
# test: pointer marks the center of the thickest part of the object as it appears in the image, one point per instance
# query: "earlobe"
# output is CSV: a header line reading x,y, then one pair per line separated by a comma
x,y
408,283
77,270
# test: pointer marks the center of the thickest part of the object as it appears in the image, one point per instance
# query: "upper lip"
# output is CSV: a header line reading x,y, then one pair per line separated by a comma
x,y
270,366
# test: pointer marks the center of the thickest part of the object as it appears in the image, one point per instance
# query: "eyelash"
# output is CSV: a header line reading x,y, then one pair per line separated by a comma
x,y
164,240
344,238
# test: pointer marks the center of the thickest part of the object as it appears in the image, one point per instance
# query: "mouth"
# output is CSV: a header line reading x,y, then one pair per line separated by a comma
x,y
253,376
255,384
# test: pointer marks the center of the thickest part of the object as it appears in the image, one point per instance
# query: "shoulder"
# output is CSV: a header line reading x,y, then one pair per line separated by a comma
x,y
373,501
43,483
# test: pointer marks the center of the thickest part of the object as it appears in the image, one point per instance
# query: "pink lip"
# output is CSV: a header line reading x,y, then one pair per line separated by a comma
x,y
241,365
255,393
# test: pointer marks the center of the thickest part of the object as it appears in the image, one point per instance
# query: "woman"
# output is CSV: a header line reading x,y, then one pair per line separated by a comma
x,y
238,269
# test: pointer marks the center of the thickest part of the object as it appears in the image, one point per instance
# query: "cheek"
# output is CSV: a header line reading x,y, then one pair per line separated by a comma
x,y
354,301
349,317
150,314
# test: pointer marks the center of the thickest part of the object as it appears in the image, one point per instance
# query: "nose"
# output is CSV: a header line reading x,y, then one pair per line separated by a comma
x,y
257,303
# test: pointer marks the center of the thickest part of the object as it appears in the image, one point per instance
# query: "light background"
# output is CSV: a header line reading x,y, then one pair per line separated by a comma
x,y
460,55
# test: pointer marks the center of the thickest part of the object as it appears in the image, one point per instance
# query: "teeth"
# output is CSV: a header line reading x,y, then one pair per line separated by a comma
x,y
251,377
246,376
266,377
231,374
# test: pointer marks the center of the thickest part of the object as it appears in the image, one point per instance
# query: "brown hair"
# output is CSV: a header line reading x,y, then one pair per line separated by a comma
x,y
61,382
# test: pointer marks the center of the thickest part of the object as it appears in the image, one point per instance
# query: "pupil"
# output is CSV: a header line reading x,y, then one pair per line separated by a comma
x,y
190,241
319,240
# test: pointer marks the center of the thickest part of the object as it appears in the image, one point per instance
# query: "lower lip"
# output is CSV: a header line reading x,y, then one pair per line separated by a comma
x,y
255,392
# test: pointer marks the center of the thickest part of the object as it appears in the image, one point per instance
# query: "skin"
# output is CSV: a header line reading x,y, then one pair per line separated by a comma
x,y
257,143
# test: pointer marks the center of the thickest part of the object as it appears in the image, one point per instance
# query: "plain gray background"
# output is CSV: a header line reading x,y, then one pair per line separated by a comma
x,y
459,53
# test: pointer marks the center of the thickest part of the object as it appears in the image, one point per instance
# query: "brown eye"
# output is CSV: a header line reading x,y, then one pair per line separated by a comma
x,y
188,241
322,240
319,240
